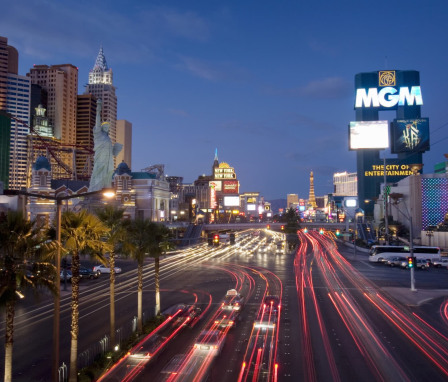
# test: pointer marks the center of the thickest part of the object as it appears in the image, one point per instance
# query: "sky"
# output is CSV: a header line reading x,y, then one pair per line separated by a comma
x,y
269,84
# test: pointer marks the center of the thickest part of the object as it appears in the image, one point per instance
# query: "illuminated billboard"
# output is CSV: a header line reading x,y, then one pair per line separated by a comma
x,y
251,207
369,135
410,135
230,187
388,93
231,201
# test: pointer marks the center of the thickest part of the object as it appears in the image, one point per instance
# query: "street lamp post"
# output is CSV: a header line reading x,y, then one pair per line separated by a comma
x,y
397,199
57,302
429,235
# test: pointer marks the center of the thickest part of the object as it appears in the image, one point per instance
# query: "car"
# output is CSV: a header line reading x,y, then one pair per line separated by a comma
x,y
395,261
419,264
68,275
210,342
232,301
272,303
422,264
439,263
103,269
87,273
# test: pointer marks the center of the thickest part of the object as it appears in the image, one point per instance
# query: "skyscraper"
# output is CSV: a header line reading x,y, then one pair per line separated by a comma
x,y
85,122
15,95
292,200
61,84
101,86
124,136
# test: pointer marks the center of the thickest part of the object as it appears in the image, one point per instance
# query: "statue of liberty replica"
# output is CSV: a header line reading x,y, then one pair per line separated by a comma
x,y
105,151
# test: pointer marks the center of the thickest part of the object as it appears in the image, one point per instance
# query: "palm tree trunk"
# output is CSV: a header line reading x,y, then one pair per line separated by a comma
x,y
73,376
157,283
140,297
112,299
9,335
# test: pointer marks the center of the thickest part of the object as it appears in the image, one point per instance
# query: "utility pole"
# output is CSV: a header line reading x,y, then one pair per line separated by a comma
x,y
411,252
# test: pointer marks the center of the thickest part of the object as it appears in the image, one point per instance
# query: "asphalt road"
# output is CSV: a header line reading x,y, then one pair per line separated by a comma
x,y
318,347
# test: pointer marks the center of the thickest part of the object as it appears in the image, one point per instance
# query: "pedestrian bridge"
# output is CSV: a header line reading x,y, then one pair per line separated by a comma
x,y
254,225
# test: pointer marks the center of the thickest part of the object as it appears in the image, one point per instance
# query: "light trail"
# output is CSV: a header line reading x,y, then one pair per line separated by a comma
x,y
344,294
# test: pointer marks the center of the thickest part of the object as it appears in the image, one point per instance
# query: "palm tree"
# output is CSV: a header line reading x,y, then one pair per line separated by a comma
x,y
164,245
113,218
81,232
21,242
140,243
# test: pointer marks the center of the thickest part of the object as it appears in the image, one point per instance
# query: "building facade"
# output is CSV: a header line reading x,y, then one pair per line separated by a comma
x,y
124,137
60,83
85,122
345,184
101,86
292,200
18,104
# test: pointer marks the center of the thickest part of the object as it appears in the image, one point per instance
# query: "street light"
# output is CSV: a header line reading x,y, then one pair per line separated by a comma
x,y
397,199
57,303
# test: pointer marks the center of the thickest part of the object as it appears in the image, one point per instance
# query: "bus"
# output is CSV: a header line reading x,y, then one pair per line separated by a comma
x,y
381,253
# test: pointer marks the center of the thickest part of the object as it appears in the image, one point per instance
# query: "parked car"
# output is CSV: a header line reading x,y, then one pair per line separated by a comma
x,y
422,264
396,261
87,273
439,263
68,275
104,269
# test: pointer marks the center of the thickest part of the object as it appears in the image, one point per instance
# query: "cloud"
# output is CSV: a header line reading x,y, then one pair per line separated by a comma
x,y
327,88
212,71
135,33
323,89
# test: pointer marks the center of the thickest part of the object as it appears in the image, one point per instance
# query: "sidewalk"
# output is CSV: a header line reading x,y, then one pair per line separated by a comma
x,y
404,295
410,298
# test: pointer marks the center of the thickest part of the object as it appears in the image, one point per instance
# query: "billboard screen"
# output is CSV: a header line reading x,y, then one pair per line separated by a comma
x,y
216,184
231,201
251,207
230,187
410,135
369,135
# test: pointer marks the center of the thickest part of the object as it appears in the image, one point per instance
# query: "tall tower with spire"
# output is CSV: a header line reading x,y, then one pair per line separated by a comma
x,y
102,87
215,161
312,198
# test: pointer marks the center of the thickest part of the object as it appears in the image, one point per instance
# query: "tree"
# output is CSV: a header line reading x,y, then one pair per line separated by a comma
x,y
165,245
81,233
145,237
113,219
21,245
292,226
139,246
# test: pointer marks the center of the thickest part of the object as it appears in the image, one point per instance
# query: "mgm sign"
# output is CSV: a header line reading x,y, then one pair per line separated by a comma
x,y
407,136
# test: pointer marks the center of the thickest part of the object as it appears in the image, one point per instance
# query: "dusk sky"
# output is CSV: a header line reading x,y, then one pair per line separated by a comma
x,y
270,84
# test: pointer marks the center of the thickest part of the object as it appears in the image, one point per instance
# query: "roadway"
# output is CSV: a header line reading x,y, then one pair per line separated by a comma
x,y
339,315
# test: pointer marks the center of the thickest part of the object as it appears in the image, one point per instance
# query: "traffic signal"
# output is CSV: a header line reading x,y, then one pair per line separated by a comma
x,y
216,239
321,231
210,239
232,238
268,226
282,227
338,232
305,230
411,262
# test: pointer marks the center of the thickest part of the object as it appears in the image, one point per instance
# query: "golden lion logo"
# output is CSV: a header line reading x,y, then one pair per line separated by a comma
x,y
387,78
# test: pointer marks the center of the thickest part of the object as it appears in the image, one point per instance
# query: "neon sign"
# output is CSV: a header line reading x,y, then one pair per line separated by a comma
x,y
387,97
